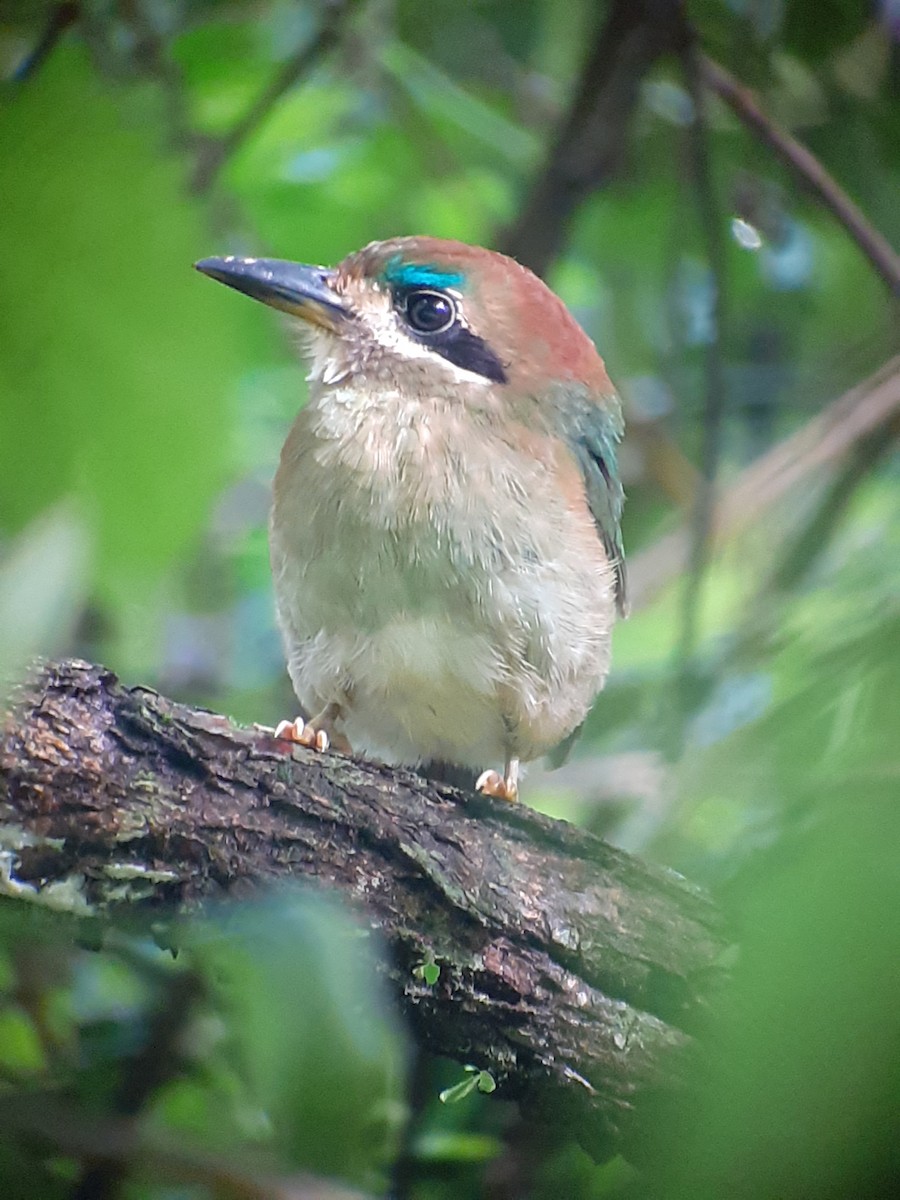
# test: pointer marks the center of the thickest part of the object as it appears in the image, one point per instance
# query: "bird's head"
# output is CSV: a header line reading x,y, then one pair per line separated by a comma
x,y
425,315
420,321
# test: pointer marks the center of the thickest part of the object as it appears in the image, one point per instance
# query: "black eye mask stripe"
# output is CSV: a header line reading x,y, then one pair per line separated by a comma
x,y
457,344
465,349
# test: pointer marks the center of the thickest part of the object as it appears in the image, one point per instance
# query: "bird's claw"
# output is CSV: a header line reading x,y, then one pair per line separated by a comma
x,y
303,733
492,783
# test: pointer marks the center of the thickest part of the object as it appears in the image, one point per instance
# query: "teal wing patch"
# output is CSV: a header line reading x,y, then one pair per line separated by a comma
x,y
593,431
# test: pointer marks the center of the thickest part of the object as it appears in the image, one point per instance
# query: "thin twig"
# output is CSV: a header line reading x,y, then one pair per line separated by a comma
x,y
591,142
159,1061
406,1164
710,218
808,169
214,153
157,1155
861,412
799,556
802,550
60,18
149,55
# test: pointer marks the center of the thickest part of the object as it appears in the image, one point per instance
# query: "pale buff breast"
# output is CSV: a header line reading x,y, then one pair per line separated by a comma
x,y
445,585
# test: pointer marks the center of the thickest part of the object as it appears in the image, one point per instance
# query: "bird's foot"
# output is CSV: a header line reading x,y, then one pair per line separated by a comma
x,y
502,787
318,734
304,733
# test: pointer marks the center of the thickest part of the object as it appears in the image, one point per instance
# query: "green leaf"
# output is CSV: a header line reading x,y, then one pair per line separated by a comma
x,y
42,589
456,1146
431,973
428,970
475,1080
486,1082
20,1046
117,358
459,1091
311,1029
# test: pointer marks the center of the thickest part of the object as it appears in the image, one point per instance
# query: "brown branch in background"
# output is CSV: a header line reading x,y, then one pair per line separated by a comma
x,y
662,461
147,1152
213,153
802,550
149,55
157,1063
710,219
589,148
61,17
808,170
866,410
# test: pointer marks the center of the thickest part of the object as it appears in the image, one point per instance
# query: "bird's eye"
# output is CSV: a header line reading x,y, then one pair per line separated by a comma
x,y
427,311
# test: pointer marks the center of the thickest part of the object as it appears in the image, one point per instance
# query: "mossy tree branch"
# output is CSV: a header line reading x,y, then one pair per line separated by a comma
x,y
576,974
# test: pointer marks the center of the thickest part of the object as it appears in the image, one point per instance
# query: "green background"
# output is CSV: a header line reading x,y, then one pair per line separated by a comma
x,y
749,735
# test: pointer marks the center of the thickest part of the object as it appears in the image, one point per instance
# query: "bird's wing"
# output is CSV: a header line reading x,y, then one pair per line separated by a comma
x,y
593,431
592,428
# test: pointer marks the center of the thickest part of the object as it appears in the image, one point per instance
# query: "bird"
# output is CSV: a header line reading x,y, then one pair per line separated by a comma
x,y
445,529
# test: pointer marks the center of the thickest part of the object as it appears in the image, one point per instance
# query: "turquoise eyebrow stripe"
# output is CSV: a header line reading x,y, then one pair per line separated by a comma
x,y
400,274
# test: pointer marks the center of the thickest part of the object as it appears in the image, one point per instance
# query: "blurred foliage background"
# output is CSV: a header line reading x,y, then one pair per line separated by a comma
x,y
750,734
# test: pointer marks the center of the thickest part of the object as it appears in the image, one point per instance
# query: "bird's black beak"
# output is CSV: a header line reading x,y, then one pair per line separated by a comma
x,y
297,289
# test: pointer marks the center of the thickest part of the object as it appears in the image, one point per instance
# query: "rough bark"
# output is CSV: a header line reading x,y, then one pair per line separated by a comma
x,y
576,974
